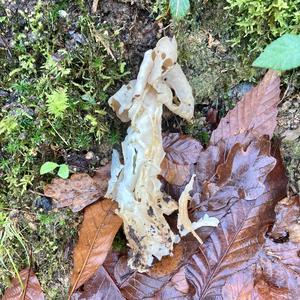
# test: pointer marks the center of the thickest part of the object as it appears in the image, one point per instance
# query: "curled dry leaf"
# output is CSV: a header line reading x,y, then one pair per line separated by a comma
x,y
181,149
98,229
32,289
135,185
256,111
80,190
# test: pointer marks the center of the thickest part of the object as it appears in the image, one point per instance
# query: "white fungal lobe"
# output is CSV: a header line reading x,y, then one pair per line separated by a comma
x,y
134,184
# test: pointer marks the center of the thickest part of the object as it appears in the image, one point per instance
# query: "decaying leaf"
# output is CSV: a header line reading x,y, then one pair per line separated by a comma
x,y
184,224
98,229
135,185
31,287
80,190
256,111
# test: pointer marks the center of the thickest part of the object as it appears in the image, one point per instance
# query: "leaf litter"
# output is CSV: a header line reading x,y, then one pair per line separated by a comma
x,y
238,182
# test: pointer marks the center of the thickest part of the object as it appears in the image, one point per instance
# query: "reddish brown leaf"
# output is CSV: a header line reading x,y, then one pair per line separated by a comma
x,y
80,190
239,286
168,264
101,286
99,227
287,220
241,176
256,111
32,289
174,173
181,152
177,288
181,149
235,244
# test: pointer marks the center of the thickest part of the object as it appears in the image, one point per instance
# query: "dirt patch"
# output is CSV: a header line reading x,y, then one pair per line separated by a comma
x,y
289,121
138,31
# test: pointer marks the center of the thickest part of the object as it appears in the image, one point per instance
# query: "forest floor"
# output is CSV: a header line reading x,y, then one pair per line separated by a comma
x,y
50,47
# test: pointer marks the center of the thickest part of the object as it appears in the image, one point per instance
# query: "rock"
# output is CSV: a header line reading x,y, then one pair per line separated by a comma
x,y
43,203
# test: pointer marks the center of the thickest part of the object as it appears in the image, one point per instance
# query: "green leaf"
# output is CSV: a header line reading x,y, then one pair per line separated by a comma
x,y
179,8
47,167
63,171
282,54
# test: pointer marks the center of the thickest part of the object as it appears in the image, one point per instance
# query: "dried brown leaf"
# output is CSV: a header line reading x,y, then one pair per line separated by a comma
x,y
239,286
181,149
235,244
99,227
80,190
177,288
241,176
174,173
32,289
100,286
181,152
256,111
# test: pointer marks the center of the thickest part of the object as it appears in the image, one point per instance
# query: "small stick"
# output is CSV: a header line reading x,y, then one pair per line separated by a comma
x,y
95,6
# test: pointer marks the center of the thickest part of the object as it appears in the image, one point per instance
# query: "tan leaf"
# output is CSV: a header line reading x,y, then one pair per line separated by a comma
x,y
99,227
80,190
256,111
32,289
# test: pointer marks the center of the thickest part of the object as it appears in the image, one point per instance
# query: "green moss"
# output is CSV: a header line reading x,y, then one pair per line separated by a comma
x,y
50,51
257,23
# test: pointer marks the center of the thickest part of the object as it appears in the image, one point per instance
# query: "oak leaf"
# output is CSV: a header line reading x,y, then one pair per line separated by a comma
x,y
80,190
256,111
98,229
31,287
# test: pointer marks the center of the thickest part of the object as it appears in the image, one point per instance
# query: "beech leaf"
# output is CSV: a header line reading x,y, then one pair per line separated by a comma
x,y
31,291
101,286
256,111
98,229
79,190
233,246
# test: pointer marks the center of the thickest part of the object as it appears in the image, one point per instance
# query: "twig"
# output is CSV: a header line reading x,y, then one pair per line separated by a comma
x,y
95,6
